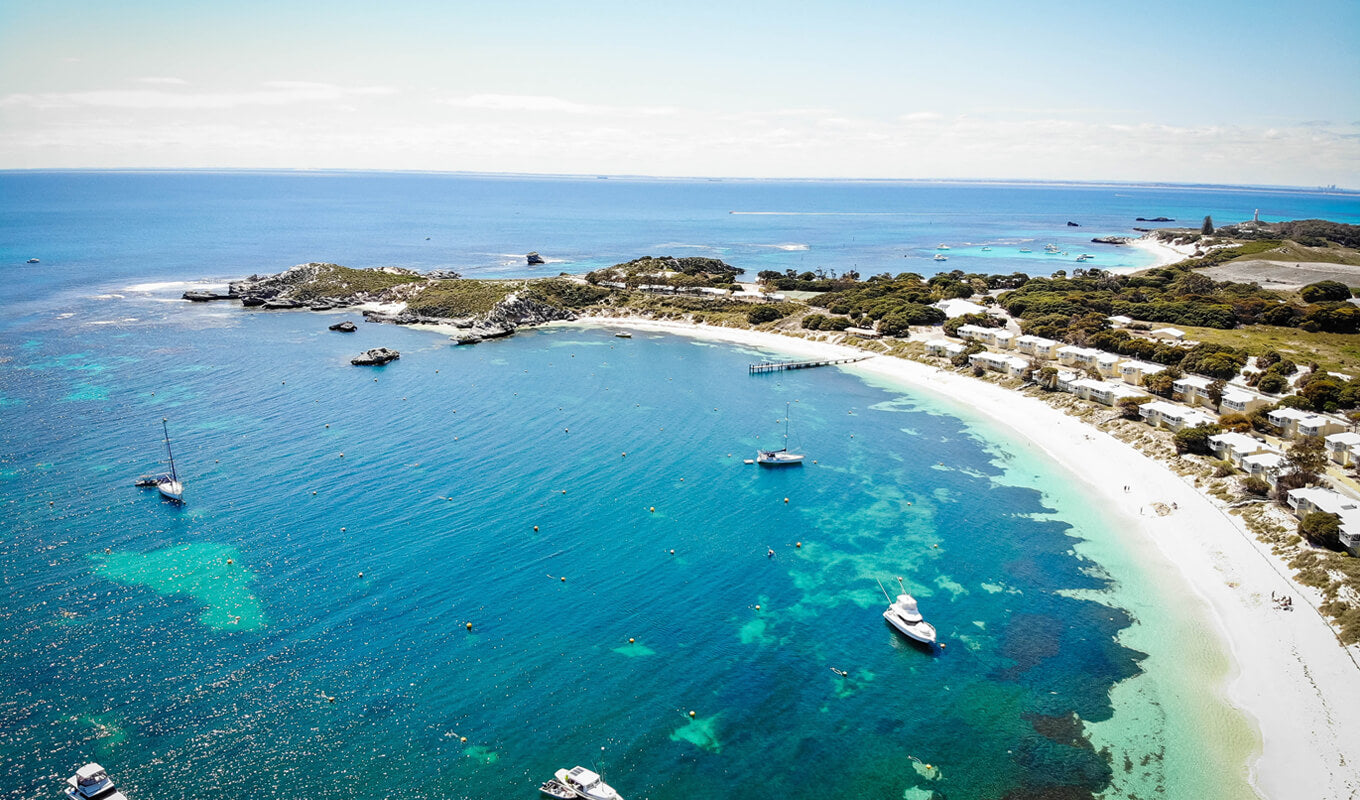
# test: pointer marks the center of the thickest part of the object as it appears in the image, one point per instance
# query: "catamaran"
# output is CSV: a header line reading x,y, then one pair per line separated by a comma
x,y
781,457
169,485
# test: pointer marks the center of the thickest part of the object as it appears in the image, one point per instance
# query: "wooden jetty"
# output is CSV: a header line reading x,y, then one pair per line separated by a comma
x,y
780,366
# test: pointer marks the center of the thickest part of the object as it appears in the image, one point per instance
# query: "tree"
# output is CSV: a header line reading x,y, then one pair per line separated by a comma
x,y
1239,423
1129,406
1159,384
1208,227
1323,291
1047,378
1307,457
1272,383
761,314
1256,485
1195,440
1322,529
1215,391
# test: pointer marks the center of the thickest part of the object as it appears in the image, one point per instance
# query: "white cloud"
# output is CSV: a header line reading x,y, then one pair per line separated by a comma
x,y
549,105
274,93
277,125
164,81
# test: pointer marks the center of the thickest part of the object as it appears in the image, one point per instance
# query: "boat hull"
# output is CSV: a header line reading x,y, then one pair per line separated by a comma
x,y
767,458
171,490
922,631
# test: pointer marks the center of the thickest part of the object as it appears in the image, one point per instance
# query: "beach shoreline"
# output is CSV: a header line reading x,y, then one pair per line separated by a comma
x,y
1288,674
1164,253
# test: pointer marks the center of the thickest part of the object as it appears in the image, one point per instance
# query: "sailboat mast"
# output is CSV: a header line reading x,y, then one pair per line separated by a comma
x,y
168,451
786,427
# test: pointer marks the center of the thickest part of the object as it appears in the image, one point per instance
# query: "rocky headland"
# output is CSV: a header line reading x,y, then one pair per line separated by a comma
x,y
480,309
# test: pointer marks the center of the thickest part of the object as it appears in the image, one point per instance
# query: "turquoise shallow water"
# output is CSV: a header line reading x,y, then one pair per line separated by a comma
x,y
124,642
268,641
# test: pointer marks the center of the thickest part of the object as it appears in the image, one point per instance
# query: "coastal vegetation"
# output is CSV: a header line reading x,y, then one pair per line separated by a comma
x,y
687,272
459,298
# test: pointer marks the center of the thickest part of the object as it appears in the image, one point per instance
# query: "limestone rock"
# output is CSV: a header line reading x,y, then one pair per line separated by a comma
x,y
533,258
344,327
375,357
204,297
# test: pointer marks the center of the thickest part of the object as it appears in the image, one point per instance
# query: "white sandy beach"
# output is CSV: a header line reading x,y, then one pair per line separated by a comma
x,y
1164,253
1290,675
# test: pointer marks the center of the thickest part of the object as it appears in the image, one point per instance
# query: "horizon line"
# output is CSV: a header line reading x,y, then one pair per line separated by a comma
x,y
1333,189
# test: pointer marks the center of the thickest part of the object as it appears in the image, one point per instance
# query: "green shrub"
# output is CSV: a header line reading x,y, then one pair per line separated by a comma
x,y
764,313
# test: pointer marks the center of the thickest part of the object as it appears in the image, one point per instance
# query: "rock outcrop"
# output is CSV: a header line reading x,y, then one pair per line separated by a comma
x,y
326,286
533,258
375,357
1072,224
1112,239
204,297
344,327
1154,219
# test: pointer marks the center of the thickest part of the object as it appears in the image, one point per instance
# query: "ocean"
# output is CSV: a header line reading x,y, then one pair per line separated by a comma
x,y
450,576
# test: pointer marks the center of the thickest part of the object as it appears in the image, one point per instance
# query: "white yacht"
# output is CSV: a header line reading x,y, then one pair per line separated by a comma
x,y
985,249
941,257
903,615
941,246
587,784
91,782
781,457
169,486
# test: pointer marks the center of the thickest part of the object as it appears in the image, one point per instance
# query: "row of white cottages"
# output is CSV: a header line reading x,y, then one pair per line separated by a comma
x,y
1191,390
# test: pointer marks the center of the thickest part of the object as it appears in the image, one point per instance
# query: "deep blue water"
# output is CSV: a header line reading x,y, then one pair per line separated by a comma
x,y
338,684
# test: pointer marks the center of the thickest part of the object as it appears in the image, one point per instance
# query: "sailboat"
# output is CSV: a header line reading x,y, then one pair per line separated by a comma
x,y
781,457
169,485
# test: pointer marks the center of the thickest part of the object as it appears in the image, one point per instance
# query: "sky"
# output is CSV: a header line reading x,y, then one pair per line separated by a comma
x,y
1188,92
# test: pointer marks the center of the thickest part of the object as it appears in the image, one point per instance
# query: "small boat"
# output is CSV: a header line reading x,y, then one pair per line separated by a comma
x,y
555,788
985,249
586,784
91,782
169,486
1026,250
941,246
33,261
939,257
624,335
1083,258
906,618
781,457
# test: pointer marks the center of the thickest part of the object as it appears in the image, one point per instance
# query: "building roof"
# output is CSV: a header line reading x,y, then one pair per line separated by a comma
x,y
1037,341
957,307
1236,441
1343,440
1145,367
1197,381
1289,413
1330,502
